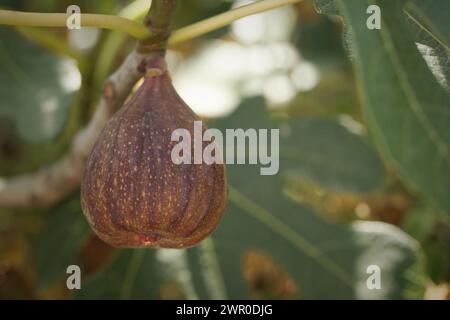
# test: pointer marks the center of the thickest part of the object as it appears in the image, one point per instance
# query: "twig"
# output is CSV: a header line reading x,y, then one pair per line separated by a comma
x,y
158,22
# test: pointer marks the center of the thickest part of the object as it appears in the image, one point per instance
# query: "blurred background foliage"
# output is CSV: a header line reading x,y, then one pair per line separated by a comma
x,y
351,192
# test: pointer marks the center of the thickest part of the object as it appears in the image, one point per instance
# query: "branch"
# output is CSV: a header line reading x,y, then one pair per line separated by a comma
x,y
50,184
158,22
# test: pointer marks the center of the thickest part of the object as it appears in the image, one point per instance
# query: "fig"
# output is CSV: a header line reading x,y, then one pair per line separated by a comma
x,y
132,193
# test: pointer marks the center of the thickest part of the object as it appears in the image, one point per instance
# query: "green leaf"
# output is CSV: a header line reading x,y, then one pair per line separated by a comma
x,y
132,275
325,259
420,221
428,21
37,87
406,110
431,16
328,50
438,261
60,239
331,266
431,228
324,151
316,148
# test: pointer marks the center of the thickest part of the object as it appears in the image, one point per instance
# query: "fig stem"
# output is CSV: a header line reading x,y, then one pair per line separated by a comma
x,y
159,14
158,22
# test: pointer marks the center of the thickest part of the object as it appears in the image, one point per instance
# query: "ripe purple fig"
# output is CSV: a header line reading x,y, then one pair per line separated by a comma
x,y
132,193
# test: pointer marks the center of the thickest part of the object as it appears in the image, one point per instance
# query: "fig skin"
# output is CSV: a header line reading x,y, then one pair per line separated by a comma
x,y
132,194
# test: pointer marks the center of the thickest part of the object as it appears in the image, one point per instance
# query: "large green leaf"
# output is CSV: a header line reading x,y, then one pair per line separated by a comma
x,y
316,148
432,229
431,16
59,240
324,151
407,112
37,87
428,20
132,275
325,259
